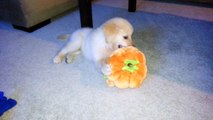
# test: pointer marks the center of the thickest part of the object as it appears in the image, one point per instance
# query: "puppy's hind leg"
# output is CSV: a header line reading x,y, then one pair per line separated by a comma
x,y
72,47
72,56
60,56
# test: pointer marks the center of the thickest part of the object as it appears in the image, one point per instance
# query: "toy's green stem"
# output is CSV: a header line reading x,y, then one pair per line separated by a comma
x,y
130,65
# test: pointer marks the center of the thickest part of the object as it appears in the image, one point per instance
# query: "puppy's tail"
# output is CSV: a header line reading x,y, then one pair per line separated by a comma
x,y
64,37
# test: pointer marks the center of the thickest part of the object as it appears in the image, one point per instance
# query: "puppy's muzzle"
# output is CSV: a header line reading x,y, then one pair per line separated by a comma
x,y
121,46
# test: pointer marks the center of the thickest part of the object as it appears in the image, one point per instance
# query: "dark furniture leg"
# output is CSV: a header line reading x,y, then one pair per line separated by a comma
x,y
132,5
85,9
33,28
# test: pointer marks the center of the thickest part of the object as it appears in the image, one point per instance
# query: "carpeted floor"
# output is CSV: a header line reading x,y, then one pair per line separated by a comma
x,y
179,85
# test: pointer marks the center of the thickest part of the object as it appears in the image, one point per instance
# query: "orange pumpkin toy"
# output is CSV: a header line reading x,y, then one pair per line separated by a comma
x,y
128,68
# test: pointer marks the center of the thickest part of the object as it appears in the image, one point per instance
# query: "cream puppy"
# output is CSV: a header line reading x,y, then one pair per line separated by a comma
x,y
97,44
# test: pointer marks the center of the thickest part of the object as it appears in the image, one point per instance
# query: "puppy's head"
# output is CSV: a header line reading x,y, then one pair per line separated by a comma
x,y
118,33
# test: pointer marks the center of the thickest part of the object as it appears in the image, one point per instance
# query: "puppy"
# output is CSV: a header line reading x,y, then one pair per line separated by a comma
x,y
98,44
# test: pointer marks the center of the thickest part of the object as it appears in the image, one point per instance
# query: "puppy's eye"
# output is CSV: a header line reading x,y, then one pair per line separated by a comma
x,y
125,37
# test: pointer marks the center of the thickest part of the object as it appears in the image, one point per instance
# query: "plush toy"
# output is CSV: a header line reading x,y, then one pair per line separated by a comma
x,y
5,104
128,66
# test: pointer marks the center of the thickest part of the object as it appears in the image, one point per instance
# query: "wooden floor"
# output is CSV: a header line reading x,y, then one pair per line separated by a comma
x,y
188,11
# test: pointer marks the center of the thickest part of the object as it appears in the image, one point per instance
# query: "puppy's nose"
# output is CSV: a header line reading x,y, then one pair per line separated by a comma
x,y
120,46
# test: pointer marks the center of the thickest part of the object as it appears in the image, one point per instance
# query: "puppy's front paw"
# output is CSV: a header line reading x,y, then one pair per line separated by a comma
x,y
57,60
110,83
106,69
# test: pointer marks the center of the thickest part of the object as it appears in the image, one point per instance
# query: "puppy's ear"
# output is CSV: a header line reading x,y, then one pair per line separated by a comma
x,y
110,29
